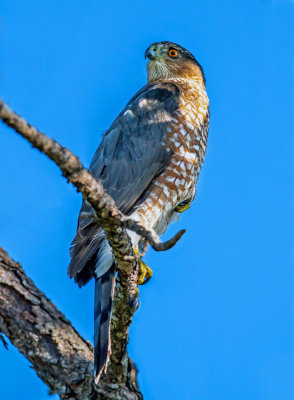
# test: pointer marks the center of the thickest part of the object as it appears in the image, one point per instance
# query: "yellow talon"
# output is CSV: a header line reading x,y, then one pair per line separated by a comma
x,y
183,208
145,271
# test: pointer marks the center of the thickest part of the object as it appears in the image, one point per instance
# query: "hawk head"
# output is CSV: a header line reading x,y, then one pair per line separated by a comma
x,y
170,60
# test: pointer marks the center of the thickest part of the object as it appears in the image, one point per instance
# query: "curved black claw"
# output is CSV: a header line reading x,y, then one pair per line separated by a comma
x,y
146,280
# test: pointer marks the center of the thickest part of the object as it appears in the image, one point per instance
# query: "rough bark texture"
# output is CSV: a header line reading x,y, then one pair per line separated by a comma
x,y
62,359
59,355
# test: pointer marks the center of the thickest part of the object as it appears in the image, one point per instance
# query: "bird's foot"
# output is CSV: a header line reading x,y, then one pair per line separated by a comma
x,y
185,205
145,271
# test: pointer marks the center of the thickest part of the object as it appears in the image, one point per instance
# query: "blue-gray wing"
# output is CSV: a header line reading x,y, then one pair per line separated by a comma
x,y
131,154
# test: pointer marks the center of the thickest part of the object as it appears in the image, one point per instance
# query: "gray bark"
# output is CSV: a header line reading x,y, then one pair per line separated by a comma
x,y
58,354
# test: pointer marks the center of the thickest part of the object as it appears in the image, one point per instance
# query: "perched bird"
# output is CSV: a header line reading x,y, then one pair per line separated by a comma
x,y
148,161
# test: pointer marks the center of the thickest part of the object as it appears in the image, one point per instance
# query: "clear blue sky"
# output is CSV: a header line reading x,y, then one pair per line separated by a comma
x,y
216,320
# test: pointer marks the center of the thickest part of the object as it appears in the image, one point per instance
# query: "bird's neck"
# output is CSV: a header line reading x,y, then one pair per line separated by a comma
x,y
159,71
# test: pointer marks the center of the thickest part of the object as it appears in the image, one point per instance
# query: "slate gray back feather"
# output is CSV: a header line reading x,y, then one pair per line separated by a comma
x,y
129,157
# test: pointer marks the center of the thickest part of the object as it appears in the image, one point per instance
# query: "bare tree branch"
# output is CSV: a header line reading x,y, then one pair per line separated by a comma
x,y
59,355
115,225
108,216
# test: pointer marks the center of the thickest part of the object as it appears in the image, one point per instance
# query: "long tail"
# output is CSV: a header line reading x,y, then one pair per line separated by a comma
x,y
102,315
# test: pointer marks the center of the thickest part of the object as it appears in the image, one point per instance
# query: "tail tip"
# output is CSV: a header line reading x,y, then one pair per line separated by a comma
x,y
97,374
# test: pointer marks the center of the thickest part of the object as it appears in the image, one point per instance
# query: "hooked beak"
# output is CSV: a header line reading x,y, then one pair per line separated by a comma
x,y
151,53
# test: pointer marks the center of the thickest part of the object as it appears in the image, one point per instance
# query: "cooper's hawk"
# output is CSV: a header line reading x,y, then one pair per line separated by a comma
x,y
148,161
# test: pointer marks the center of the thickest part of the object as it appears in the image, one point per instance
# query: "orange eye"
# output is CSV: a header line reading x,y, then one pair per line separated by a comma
x,y
173,53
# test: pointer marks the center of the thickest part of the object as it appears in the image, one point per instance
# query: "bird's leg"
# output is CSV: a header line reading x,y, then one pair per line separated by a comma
x,y
144,250
185,205
145,271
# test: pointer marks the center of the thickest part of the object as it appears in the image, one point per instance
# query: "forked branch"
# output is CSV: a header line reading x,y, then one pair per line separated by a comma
x,y
115,225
